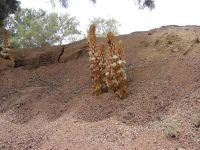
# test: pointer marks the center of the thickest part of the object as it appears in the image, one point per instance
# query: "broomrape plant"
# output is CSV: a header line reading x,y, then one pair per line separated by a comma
x,y
110,76
116,75
95,61
7,53
120,70
107,67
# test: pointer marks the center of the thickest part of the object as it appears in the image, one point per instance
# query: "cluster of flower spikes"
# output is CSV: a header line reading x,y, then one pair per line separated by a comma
x,y
96,58
115,74
7,53
107,67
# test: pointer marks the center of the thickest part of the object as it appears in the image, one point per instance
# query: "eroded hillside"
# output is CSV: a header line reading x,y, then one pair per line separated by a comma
x,y
46,101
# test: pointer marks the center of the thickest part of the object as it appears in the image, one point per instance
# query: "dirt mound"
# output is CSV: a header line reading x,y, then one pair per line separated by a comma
x,y
176,38
52,106
36,57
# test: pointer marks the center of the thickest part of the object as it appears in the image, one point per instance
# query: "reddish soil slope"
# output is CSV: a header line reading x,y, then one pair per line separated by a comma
x,y
50,106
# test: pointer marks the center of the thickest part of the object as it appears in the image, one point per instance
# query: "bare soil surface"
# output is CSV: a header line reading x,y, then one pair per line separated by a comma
x,y
51,107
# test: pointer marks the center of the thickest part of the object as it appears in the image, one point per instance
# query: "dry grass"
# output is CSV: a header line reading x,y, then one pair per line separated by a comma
x,y
171,128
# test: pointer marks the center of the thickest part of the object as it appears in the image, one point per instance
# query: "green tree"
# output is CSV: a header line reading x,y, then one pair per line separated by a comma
x,y
32,28
103,26
64,28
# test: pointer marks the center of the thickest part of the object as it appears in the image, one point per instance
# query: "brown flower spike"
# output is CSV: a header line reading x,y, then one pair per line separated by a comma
x,y
5,38
110,76
116,74
7,53
95,58
12,57
120,70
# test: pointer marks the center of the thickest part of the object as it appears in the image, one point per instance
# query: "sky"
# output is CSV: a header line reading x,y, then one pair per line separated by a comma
x,y
166,12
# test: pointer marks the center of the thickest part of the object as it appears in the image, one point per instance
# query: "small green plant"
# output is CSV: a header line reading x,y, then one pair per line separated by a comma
x,y
181,148
196,120
171,128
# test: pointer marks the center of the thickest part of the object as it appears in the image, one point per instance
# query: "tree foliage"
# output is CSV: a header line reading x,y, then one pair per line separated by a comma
x,y
64,3
146,3
103,26
32,28
141,3
7,7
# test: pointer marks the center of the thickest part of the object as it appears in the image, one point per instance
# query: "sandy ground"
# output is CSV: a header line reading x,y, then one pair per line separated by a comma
x,y
52,108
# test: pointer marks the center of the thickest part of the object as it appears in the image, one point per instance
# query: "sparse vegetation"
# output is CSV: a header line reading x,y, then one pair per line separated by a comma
x,y
181,148
196,120
171,128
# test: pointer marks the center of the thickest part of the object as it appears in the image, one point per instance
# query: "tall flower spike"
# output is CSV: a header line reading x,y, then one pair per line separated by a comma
x,y
5,53
102,63
91,35
12,57
110,76
110,37
120,47
120,70
92,47
95,61
5,38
